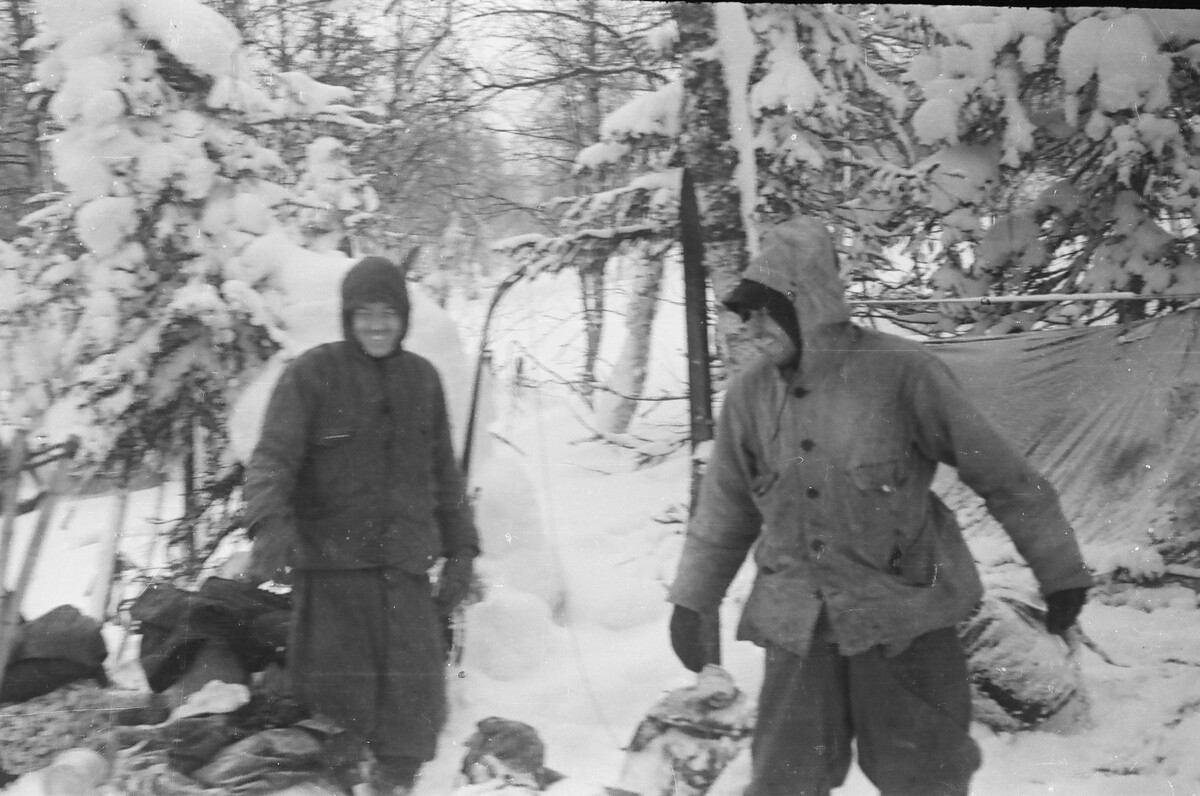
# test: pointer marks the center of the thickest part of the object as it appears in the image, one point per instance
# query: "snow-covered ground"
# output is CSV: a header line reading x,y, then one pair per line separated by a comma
x,y
585,683
571,638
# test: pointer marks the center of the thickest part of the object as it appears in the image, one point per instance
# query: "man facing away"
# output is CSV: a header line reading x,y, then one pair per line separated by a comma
x,y
824,454
354,484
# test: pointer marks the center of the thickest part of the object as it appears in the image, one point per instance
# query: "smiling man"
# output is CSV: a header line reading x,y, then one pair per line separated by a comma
x,y
354,485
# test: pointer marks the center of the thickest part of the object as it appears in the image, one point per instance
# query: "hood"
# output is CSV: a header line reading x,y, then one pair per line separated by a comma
x,y
799,267
370,280
798,259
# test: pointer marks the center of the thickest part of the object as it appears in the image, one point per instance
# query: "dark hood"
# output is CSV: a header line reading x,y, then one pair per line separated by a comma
x,y
371,280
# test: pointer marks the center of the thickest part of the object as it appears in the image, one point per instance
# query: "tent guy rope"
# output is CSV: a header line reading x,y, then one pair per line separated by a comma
x,y
1033,298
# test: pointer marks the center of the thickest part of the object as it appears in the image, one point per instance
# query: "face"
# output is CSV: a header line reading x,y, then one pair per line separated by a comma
x,y
768,337
377,327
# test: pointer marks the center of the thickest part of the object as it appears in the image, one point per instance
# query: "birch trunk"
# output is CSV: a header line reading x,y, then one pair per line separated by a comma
x,y
615,407
591,294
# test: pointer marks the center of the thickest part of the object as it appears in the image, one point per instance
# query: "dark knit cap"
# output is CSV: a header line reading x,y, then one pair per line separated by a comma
x,y
749,296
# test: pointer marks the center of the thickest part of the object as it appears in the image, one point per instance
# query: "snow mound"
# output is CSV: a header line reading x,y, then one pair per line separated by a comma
x,y
609,597
511,633
517,552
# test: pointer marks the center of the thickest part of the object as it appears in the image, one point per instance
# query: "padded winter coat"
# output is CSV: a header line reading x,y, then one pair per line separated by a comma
x,y
355,458
828,466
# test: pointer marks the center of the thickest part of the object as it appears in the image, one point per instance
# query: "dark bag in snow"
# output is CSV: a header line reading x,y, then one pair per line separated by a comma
x,y
176,623
60,647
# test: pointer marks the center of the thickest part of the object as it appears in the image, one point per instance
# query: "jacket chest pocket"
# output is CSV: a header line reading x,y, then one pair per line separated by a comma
x,y
883,477
876,496
888,518
334,461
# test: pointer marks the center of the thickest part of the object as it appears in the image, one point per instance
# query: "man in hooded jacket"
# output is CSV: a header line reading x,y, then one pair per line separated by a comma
x,y
824,454
354,484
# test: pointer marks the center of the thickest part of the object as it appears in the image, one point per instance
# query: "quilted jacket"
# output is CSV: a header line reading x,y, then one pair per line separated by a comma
x,y
824,470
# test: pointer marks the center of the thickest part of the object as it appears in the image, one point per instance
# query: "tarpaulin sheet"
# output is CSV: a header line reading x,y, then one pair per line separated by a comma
x,y
1111,415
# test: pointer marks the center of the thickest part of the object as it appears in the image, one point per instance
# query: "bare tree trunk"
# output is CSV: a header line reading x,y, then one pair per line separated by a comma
x,y
22,172
615,408
592,277
591,290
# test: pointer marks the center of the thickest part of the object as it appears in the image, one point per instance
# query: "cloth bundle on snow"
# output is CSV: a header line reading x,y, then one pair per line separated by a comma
x,y
1021,676
175,625
506,752
507,757
219,743
688,737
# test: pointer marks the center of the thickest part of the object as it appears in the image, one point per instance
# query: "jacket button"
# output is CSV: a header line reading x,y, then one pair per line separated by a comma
x,y
807,444
817,546
812,492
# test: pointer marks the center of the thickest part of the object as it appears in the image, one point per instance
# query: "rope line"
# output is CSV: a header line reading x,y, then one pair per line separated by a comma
x,y
1033,298
552,525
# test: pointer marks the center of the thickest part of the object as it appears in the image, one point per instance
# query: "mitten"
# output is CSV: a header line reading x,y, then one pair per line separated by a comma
x,y
686,638
1062,609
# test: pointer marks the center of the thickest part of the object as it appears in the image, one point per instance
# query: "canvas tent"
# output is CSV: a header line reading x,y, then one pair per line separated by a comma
x,y
1111,415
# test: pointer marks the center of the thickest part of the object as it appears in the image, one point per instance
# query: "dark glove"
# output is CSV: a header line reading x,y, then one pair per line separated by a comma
x,y
687,638
271,554
1062,609
454,583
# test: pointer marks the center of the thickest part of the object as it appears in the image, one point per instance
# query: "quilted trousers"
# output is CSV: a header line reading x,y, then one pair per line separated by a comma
x,y
908,714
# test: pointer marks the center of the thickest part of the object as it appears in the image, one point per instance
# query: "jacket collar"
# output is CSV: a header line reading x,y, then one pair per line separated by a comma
x,y
825,349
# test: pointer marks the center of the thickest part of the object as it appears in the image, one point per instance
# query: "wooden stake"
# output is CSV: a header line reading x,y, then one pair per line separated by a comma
x,y
695,292
12,603
109,548
12,488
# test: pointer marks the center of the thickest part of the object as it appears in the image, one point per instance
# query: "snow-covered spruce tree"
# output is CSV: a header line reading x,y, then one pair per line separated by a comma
x,y
957,151
430,153
332,204
1066,155
159,309
815,99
